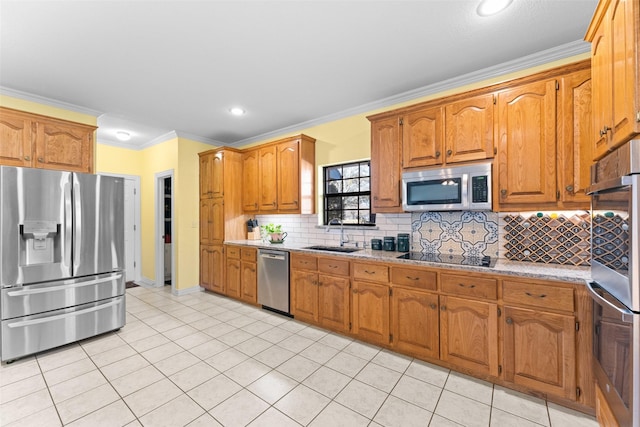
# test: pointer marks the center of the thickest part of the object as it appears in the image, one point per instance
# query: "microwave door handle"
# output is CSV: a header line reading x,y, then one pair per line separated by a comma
x,y
625,315
610,185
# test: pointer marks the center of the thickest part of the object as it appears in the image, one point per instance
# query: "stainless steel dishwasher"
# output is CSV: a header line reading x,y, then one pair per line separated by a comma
x,y
273,280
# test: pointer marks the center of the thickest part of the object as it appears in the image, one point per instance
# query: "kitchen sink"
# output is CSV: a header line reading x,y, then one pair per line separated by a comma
x,y
333,249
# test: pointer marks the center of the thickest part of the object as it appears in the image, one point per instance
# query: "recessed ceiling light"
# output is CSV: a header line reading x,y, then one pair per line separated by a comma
x,y
237,111
123,136
491,7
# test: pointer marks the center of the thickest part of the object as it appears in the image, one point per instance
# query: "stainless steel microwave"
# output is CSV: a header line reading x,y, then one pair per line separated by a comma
x,y
459,188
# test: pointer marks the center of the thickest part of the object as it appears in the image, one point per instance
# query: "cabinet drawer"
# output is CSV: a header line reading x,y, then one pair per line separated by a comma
x,y
233,252
333,266
477,287
371,272
543,296
417,278
304,262
249,254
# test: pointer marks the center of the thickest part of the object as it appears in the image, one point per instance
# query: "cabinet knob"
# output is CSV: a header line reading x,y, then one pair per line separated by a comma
x,y
569,188
433,306
503,192
604,130
437,154
509,320
27,158
449,152
40,159
443,308
255,205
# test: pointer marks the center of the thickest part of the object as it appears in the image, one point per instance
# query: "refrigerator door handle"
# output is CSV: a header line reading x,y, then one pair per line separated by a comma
x,y
77,224
68,226
23,292
25,323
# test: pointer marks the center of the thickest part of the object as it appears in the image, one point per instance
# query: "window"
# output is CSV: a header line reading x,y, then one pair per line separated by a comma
x,y
347,193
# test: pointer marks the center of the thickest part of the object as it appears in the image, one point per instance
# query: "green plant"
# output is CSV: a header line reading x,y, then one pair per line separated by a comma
x,y
272,228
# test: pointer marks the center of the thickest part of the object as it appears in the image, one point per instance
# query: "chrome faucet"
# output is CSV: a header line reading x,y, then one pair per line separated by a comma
x,y
338,221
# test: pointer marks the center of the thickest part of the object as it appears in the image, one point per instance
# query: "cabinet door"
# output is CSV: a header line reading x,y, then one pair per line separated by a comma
x,y
422,138
249,282
233,278
601,69
206,222
268,181
217,174
250,182
604,414
414,320
288,171
539,351
212,268
575,148
63,146
370,312
385,166
468,129
527,144
206,177
206,267
333,296
469,334
217,220
15,139
304,295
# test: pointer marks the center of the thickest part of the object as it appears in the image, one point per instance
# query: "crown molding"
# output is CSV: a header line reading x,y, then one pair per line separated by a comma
x,y
159,140
48,101
199,138
536,59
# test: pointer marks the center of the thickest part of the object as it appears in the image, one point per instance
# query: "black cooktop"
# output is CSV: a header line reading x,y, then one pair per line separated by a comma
x,y
485,261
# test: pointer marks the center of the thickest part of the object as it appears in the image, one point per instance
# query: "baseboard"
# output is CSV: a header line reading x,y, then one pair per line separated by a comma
x,y
145,282
186,291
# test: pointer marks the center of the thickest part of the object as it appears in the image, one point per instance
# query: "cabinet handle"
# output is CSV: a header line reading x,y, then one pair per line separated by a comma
x,y
40,159
443,308
535,296
412,278
437,154
569,188
604,130
370,272
433,306
449,152
333,266
463,286
503,192
355,291
509,320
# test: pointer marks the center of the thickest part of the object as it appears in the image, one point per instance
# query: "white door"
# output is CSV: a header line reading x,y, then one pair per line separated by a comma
x,y
129,230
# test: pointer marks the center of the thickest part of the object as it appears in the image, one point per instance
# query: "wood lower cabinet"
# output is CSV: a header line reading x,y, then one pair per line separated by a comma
x,y
249,275
304,295
415,322
233,275
386,161
469,334
539,351
370,311
212,267
333,302
32,140
604,414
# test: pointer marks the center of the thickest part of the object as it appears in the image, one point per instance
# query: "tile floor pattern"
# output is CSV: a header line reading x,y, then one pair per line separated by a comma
x,y
206,360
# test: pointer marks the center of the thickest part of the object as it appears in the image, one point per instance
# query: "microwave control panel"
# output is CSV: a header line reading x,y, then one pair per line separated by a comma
x,y
479,189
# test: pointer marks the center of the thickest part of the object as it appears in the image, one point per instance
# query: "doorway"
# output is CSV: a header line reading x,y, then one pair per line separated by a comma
x,y
164,230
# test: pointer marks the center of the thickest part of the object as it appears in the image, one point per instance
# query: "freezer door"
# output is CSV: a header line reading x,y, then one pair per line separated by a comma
x,y
35,225
98,203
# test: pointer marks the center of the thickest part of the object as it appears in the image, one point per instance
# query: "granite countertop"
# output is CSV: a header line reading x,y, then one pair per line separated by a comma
x,y
562,273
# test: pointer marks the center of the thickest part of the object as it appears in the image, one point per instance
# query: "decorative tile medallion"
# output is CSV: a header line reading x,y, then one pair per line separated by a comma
x,y
548,238
471,234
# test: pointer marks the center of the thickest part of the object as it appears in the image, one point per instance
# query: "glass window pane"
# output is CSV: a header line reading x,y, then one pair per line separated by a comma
x,y
365,217
334,172
334,203
334,187
333,215
364,169
351,171
364,202
350,217
351,185
350,202
364,184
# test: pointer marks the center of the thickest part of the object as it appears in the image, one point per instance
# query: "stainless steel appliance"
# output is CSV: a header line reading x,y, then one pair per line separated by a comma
x,y
615,285
61,258
466,187
483,261
273,280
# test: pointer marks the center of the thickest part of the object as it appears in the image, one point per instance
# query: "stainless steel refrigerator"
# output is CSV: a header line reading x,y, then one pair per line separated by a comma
x,y
61,258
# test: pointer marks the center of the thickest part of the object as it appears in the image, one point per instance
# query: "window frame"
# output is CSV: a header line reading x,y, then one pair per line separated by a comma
x,y
326,180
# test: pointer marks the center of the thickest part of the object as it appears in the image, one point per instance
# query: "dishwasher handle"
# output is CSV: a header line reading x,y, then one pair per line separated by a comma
x,y
272,256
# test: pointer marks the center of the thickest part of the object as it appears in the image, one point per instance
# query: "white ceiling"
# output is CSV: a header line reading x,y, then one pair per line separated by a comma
x,y
154,67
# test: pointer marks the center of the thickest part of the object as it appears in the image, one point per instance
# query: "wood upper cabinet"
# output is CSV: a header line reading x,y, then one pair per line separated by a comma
x,y
469,129
414,322
370,311
288,176
44,142
250,181
422,137
539,351
206,222
212,267
206,175
469,334
268,178
386,165
527,145
614,34
217,174
575,143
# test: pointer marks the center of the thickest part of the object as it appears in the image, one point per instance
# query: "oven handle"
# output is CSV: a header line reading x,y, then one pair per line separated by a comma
x,y
25,323
625,315
609,185
63,287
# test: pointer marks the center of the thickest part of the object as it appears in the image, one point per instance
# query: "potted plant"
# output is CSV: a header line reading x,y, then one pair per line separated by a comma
x,y
274,232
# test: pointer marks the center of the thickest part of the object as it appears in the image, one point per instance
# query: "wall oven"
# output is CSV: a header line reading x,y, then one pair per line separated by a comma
x,y
615,284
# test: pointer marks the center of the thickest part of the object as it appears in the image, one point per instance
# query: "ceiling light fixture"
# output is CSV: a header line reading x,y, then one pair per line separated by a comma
x,y
237,111
123,136
491,7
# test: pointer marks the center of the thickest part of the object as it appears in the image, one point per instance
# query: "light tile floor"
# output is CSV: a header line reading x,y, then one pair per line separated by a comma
x,y
206,360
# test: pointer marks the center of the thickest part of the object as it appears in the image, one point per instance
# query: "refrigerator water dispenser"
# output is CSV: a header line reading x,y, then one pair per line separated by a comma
x,y
40,243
